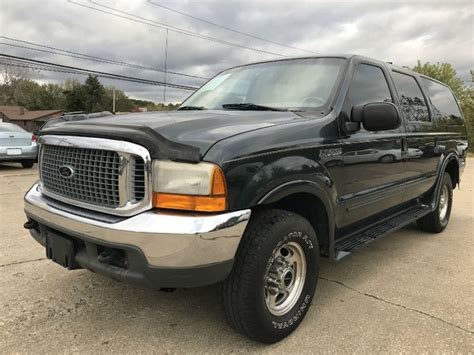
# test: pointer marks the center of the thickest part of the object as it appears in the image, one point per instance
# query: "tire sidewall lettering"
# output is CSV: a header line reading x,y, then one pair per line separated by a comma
x,y
304,240
294,319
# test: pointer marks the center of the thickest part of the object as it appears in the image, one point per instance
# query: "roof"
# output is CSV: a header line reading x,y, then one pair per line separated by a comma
x,y
19,113
9,108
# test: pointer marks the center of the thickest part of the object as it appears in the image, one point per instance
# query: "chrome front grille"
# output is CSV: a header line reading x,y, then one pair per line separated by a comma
x,y
138,178
94,179
94,173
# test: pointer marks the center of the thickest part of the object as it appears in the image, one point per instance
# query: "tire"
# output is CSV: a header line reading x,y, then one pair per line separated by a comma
x,y
436,221
258,263
389,158
27,164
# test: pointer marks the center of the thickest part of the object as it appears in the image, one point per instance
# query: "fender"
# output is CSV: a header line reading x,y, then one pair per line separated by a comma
x,y
305,186
437,190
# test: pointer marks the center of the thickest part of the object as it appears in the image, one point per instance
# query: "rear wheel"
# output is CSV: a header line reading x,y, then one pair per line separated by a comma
x,y
28,163
436,221
274,277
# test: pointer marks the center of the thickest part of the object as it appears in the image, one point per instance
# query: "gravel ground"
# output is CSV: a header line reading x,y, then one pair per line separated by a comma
x,y
408,292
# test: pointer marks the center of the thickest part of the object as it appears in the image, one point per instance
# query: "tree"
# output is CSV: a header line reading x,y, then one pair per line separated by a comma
x,y
17,88
75,96
51,96
445,73
94,94
122,102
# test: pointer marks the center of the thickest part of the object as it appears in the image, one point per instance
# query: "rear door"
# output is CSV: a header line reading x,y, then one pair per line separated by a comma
x,y
421,151
373,168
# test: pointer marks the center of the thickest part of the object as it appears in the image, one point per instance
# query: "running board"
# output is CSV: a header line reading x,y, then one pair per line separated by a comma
x,y
346,245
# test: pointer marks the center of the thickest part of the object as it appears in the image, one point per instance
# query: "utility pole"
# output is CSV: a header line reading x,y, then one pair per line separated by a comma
x,y
166,62
113,100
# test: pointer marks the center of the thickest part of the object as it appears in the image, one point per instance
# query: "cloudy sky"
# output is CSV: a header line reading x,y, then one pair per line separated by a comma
x,y
397,31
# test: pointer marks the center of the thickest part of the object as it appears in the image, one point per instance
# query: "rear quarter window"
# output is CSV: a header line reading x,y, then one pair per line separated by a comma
x,y
444,106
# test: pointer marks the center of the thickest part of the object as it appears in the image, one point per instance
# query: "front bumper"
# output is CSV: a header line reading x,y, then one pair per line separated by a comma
x,y
163,249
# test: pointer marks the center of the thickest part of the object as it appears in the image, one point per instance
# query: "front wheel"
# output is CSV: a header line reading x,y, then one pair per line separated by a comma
x,y
436,221
274,277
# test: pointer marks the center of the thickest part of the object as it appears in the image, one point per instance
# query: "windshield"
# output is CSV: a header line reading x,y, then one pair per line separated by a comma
x,y
290,84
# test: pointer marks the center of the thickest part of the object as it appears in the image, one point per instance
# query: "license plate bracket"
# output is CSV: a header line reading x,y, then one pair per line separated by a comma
x,y
13,151
61,250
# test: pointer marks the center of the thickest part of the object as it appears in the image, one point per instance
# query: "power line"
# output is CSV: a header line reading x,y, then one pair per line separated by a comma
x,y
105,75
27,66
160,25
72,54
228,28
19,61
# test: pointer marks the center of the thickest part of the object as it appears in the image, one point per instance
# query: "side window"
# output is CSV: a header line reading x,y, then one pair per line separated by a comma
x,y
412,102
445,107
368,85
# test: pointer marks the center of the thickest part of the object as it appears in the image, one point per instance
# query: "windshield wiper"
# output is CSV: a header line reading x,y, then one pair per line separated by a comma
x,y
246,106
191,108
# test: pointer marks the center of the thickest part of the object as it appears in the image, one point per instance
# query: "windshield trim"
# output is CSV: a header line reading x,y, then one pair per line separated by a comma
x,y
331,98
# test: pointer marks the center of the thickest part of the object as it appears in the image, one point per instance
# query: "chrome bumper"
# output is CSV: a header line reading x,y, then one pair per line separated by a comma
x,y
166,239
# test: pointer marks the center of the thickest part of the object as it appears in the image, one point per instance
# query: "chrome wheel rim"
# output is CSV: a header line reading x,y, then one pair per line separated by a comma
x,y
443,203
284,278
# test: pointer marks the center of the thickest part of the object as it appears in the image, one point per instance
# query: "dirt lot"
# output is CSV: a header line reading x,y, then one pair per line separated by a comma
x,y
410,291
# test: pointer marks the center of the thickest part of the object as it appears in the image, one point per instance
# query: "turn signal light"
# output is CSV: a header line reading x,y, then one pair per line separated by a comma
x,y
216,201
190,202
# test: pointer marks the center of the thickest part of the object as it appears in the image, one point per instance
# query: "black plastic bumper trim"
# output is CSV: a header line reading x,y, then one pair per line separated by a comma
x,y
139,272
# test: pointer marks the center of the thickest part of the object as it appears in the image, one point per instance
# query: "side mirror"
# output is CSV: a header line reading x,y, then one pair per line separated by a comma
x,y
376,116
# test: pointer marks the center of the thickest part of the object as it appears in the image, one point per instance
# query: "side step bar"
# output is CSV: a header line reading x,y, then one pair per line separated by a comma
x,y
346,245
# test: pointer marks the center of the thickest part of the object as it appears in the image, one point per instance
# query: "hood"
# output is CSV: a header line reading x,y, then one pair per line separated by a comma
x,y
198,129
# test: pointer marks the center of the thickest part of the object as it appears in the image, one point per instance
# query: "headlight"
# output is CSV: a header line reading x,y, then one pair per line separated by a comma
x,y
193,187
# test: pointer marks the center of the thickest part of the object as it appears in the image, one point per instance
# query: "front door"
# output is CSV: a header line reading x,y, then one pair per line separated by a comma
x,y
374,171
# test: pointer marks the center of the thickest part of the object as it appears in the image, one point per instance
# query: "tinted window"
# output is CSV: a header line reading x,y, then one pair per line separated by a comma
x,y
294,84
368,85
442,100
412,102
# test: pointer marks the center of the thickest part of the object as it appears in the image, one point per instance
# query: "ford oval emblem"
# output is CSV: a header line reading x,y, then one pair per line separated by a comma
x,y
66,171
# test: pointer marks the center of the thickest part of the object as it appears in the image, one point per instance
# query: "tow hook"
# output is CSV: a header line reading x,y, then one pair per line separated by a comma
x,y
30,224
107,256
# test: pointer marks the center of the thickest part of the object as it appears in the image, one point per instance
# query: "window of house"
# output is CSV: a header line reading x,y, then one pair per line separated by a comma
x,y
412,101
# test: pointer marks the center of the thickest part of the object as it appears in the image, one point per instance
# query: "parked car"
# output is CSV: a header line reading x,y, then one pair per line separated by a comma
x,y
261,172
17,145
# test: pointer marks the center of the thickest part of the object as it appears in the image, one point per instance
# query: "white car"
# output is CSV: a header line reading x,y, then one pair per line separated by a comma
x,y
17,145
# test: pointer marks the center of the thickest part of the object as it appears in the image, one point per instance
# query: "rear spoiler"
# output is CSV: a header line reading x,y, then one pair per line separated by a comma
x,y
158,146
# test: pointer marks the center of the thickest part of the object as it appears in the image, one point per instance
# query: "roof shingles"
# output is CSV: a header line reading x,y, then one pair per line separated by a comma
x,y
19,113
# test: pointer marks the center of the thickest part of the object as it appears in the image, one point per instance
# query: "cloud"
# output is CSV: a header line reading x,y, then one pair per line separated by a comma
x,y
402,32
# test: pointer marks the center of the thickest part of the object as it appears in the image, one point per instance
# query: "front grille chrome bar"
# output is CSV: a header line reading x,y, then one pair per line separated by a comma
x,y
127,194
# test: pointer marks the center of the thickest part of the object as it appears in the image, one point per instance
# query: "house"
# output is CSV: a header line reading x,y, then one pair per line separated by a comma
x,y
29,120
